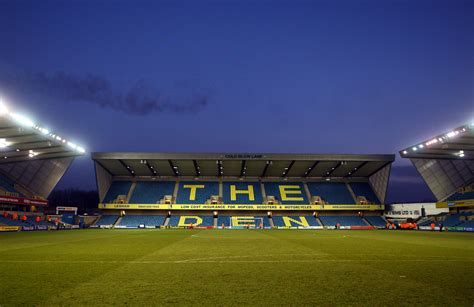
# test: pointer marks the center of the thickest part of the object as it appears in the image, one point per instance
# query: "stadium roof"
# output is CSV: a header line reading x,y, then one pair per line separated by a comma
x,y
241,164
455,144
445,161
31,155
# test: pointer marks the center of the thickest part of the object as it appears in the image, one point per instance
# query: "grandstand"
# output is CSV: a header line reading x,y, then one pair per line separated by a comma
x,y
308,221
446,163
241,190
32,161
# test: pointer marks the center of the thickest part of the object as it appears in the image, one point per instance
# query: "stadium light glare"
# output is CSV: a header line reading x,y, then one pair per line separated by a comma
x,y
4,143
415,149
3,108
405,152
22,120
32,154
72,145
80,149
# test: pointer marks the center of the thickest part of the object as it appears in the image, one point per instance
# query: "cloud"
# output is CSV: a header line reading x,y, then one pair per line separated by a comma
x,y
139,98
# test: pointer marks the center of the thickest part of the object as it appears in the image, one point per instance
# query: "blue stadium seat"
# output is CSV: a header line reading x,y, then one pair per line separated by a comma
x,y
295,221
331,192
43,223
467,224
223,219
376,220
243,221
147,220
9,222
244,191
117,188
187,220
343,220
203,190
452,220
426,223
364,189
151,192
461,196
107,220
295,192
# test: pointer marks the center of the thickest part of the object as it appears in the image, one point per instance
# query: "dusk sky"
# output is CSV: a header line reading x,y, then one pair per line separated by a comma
x,y
241,76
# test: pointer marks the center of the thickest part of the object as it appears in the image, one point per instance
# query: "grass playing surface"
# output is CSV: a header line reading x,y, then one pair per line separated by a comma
x,y
236,267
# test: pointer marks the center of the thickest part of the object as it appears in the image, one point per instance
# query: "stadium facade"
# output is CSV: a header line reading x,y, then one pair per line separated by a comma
x,y
32,161
237,189
446,164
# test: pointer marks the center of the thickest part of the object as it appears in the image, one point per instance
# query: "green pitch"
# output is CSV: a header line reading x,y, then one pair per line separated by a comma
x,y
236,267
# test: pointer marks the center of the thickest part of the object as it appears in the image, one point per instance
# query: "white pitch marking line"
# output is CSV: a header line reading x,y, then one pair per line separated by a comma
x,y
231,261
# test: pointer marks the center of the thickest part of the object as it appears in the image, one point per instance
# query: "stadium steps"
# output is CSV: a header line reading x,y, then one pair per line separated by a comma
x,y
176,190
307,191
117,222
270,220
167,221
366,221
349,188
215,222
131,191
424,221
319,221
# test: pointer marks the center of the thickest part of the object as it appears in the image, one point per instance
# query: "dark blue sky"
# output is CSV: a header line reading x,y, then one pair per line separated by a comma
x,y
241,76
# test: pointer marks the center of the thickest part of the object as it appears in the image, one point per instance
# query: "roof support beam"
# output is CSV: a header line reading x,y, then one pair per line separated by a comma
x,y
220,168
15,137
197,169
128,168
243,168
27,150
333,169
150,168
356,169
266,168
287,169
308,171
173,168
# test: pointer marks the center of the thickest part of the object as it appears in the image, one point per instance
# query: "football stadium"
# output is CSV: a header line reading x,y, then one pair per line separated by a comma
x,y
233,228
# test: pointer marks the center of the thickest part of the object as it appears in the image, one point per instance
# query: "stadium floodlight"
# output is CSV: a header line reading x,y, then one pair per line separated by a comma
x,y
405,152
3,143
32,154
415,149
80,149
72,145
22,120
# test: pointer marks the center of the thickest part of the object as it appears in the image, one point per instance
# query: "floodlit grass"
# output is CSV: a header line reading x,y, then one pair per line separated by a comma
x,y
236,267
